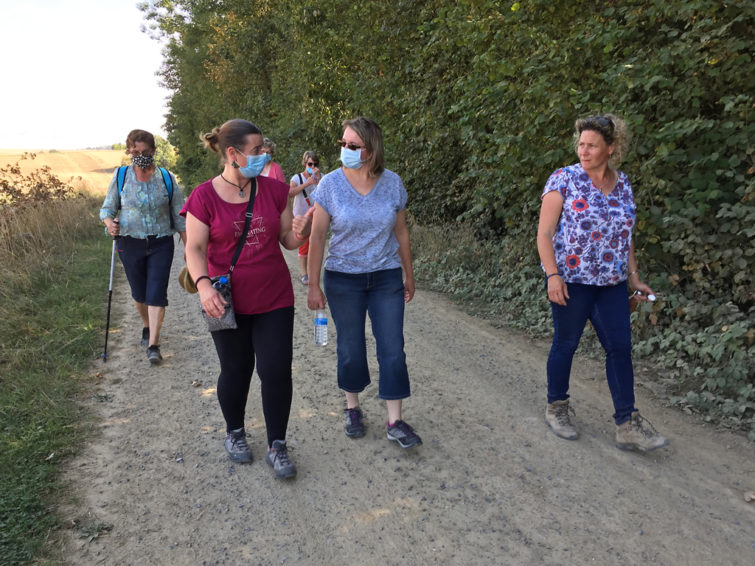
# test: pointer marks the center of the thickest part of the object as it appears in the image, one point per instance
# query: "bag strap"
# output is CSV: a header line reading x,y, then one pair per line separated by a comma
x,y
247,222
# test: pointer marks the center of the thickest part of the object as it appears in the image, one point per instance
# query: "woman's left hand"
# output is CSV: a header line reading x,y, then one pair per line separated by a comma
x,y
642,291
302,225
408,289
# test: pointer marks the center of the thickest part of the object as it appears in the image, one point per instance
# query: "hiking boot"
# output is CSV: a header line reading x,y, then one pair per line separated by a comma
x,y
279,460
354,426
145,337
402,433
638,433
236,446
557,417
153,354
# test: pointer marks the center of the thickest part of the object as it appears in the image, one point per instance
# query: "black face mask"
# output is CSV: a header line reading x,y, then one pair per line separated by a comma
x,y
143,161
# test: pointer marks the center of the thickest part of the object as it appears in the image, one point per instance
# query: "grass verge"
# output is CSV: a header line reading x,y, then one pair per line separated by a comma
x,y
54,269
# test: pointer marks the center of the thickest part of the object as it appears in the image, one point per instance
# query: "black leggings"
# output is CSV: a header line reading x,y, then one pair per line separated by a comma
x,y
269,337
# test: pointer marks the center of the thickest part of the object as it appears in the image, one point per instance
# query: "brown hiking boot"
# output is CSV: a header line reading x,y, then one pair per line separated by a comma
x,y
557,417
638,433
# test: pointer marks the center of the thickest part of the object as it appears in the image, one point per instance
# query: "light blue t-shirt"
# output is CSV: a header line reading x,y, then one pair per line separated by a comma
x,y
362,238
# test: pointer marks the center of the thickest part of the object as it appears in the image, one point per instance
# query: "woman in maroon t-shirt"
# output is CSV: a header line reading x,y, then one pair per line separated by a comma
x,y
263,297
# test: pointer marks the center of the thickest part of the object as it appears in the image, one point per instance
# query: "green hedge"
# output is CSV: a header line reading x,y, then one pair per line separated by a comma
x,y
477,100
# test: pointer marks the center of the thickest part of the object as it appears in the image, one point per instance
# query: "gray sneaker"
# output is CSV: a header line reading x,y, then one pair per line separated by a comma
x,y
354,426
402,433
236,446
279,460
153,355
639,434
557,417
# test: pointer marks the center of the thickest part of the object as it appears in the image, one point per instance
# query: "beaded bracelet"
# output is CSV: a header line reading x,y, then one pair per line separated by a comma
x,y
202,277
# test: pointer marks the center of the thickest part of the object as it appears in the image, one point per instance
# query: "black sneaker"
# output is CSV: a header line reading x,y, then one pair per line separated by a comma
x,y
354,426
145,337
279,460
402,433
236,446
153,355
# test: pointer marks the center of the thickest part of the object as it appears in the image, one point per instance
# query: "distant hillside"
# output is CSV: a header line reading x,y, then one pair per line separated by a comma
x,y
94,166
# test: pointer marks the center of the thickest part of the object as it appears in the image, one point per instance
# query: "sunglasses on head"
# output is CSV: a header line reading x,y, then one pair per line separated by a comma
x,y
350,146
601,121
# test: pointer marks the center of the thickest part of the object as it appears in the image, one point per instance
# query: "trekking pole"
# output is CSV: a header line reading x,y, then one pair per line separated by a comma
x,y
109,300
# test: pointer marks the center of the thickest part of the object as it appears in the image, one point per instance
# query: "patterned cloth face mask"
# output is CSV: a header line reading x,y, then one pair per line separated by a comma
x,y
143,161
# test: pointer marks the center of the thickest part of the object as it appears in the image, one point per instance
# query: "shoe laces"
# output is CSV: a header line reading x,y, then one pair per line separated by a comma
x,y
355,415
643,426
281,454
238,441
562,414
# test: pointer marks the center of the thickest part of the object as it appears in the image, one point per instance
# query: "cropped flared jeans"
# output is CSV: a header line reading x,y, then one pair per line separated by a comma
x,y
350,298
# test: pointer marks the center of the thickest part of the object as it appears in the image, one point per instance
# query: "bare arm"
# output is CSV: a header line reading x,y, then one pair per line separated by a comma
x,y
294,230
550,212
635,283
401,230
197,237
320,226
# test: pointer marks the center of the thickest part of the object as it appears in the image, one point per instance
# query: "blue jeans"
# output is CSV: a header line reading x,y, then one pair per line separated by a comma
x,y
351,297
147,264
608,309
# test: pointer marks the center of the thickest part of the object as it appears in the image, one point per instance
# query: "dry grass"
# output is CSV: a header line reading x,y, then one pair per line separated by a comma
x,y
94,167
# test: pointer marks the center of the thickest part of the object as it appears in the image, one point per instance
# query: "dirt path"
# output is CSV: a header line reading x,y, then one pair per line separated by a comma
x,y
491,485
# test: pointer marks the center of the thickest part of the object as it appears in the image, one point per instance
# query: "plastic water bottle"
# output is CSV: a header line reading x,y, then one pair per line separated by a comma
x,y
321,327
220,283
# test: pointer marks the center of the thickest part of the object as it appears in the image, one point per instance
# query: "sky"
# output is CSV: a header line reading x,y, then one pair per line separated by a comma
x,y
77,74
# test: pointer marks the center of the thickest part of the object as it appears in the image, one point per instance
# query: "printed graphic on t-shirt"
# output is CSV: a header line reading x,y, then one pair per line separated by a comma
x,y
256,228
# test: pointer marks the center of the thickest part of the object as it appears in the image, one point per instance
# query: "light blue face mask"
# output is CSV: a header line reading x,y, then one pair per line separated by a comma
x,y
254,165
310,171
351,158
268,158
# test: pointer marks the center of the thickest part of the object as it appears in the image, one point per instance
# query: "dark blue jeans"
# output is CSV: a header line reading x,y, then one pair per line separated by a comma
x,y
608,310
351,297
147,264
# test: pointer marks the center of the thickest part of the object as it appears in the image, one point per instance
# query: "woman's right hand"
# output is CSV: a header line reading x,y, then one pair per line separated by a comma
x,y
114,228
557,291
315,297
213,303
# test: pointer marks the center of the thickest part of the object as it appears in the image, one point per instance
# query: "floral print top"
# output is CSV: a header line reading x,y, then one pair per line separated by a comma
x,y
594,232
145,209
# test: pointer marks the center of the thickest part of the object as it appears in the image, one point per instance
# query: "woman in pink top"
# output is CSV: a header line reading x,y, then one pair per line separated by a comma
x,y
263,297
271,169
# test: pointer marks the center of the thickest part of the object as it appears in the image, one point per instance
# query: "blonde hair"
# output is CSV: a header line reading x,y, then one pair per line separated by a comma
x,y
613,130
372,136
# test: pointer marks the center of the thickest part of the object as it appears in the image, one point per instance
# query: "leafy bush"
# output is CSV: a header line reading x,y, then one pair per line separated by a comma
x,y
477,99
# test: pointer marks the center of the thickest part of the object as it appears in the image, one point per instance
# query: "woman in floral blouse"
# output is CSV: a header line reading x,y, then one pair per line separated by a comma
x,y
585,243
148,217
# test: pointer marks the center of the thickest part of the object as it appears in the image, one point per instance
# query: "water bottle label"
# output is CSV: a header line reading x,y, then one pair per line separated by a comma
x,y
321,321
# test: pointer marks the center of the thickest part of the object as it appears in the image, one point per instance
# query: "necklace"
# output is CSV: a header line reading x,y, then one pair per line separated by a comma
x,y
241,188
609,183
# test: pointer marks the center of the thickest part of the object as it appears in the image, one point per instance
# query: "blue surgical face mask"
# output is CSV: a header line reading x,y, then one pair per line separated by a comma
x,y
268,158
310,171
351,158
254,165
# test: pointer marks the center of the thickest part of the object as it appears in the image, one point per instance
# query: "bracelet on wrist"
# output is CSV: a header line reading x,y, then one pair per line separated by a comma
x,y
202,277
635,272
551,275
297,237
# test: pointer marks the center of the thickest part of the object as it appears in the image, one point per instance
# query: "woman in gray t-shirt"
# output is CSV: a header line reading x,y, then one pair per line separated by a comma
x,y
363,204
